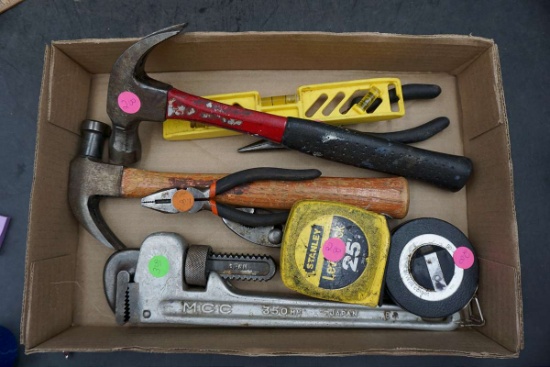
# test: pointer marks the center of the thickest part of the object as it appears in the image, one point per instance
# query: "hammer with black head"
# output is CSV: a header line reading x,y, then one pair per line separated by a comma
x,y
91,179
134,97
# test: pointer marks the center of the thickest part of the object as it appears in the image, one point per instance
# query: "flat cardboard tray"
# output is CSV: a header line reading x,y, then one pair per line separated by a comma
x,y
64,304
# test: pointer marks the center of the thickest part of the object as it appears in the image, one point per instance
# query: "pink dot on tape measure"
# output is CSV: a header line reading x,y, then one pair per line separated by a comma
x,y
334,249
129,102
463,257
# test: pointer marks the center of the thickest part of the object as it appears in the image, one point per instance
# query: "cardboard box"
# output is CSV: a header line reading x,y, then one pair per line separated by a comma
x,y
7,4
64,305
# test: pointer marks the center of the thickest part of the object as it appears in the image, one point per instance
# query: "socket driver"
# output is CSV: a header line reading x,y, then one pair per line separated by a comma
x,y
141,297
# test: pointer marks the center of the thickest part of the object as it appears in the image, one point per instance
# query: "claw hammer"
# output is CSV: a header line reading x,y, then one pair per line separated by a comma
x,y
91,179
133,97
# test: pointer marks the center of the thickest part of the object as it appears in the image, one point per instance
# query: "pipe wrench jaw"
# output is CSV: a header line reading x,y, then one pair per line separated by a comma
x,y
135,280
124,261
120,289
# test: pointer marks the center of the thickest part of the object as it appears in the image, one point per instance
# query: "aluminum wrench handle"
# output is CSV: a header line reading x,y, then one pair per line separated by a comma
x,y
168,300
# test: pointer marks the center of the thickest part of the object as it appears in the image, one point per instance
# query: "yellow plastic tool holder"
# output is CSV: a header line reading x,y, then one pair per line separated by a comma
x,y
327,102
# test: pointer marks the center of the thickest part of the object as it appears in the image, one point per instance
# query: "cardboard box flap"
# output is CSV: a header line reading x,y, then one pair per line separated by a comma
x,y
273,342
68,94
50,296
7,4
503,324
487,109
302,51
42,108
54,230
491,215
50,236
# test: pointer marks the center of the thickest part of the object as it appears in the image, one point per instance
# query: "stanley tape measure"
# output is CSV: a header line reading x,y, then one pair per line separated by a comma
x,y
335,251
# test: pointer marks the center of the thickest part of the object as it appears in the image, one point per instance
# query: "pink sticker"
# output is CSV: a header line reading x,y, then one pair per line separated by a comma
x,y
129,102
463,257
334,249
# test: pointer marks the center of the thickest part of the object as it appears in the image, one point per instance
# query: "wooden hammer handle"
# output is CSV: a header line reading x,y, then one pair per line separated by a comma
x,y
382,195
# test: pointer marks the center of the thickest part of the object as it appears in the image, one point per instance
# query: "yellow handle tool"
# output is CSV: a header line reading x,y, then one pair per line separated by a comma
x,y
331,103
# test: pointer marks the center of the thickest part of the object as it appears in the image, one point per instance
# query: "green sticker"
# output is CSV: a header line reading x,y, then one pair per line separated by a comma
x,y
159,266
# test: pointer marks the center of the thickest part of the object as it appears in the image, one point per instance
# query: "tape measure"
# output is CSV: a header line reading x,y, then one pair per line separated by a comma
x,y
432,268
335,251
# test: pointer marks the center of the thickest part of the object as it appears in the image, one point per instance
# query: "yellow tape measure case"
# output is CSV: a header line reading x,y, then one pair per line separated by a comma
x,y
335,251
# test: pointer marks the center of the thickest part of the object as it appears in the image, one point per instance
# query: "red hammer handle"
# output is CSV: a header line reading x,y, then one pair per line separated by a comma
x,y
184,106
326,141
382,195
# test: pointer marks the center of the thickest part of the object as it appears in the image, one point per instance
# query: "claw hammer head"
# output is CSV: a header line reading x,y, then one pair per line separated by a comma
x,y
133,97
90,179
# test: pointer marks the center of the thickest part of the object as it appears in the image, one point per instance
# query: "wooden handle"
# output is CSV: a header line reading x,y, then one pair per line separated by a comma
x,y
388,196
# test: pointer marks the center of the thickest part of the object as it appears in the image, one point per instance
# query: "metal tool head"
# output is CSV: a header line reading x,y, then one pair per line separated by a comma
x,y
133,97
90,179
268,236
194,200
260,145
201,261
121,261
407,136
160,201
159,271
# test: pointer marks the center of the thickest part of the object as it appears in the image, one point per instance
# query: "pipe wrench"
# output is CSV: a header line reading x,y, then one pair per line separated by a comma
x,y
140,297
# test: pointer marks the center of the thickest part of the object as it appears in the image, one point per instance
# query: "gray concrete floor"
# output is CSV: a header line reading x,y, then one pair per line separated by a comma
x,y
521,30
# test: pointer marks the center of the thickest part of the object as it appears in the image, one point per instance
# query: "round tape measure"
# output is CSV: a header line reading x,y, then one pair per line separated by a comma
x,y
432,268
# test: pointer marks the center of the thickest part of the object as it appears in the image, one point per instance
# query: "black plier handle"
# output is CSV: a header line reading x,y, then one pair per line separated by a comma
x,y
193,199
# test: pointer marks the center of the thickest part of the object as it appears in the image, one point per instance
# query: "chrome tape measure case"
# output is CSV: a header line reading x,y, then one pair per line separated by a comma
x,y
335,251
432,269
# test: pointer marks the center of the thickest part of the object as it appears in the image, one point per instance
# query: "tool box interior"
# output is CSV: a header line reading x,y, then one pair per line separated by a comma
x,y
64,307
